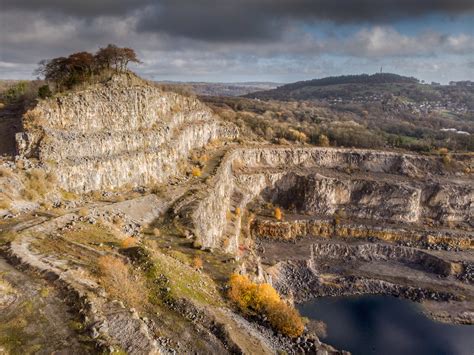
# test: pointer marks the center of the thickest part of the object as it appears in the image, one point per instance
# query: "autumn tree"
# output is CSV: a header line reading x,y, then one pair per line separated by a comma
x,y
263,299
113,56
82,66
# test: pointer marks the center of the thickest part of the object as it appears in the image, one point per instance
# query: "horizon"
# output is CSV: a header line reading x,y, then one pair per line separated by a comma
x,y
238,41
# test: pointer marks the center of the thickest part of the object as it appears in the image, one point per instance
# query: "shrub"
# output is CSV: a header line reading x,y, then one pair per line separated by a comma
x,y
156,232
196,172
44,92
128,242
197,263
278,214
120,282
323,140
285,319
252,298
447,159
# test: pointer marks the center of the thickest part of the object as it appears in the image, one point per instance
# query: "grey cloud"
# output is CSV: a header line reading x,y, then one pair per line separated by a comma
x,y
83,8
264,19
241,20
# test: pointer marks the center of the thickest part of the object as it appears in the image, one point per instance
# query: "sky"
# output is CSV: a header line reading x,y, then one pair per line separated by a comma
x,y
247,40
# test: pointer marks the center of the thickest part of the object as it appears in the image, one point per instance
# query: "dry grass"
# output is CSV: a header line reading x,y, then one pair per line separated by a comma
x,y
118,221
237,165
5,172
38,183
5,202
156,232
83,212
120,282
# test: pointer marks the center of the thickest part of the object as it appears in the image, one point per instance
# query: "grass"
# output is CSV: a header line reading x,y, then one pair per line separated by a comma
x,y
95,235
15,337
5,203
38,183
5,172
7,237
171,278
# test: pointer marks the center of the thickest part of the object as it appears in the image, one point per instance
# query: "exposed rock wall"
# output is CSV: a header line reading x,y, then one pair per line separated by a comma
x,y
383,252
394,199
325,228
118,133
264,170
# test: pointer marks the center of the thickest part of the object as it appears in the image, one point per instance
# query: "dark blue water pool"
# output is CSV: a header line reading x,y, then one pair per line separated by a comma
x,y
388,326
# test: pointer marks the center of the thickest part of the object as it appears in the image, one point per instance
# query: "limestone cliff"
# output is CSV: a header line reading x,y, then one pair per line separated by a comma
x,y
122,132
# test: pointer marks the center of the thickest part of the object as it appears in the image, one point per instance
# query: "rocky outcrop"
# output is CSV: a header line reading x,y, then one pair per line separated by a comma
x,y
385,187
118,133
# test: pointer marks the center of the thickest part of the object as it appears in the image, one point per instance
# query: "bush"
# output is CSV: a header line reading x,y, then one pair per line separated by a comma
x,y
128,242
197,263
196,172
252,299
278,214
44,92
323,140
119,282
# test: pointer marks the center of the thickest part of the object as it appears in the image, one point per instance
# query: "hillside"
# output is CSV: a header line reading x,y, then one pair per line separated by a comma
x,y
365,111
220,89
376,87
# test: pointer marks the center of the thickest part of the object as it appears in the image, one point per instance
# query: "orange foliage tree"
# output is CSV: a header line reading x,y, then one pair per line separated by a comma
x,y
252,298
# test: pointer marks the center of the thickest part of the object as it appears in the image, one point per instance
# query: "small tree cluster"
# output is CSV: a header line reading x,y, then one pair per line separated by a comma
x,y
82,66
263,299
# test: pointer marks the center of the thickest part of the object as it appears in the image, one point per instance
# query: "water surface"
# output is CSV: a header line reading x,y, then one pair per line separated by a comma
x,y
388,326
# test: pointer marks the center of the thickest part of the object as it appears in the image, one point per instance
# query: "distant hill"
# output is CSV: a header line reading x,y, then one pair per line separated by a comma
x,y
364,87
222,89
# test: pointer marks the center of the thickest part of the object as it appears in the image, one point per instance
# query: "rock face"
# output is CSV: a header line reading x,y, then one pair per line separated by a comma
x,y
392,199
383,187
123,132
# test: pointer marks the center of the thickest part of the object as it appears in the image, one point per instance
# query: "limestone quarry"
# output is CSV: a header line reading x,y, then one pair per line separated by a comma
x,y
159,182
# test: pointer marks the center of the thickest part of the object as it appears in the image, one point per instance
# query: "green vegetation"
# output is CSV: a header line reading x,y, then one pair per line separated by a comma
x,y
169,278
378,116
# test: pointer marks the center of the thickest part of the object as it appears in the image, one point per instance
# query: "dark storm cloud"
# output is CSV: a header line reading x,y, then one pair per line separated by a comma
x,y
83,8
266,19
235,20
